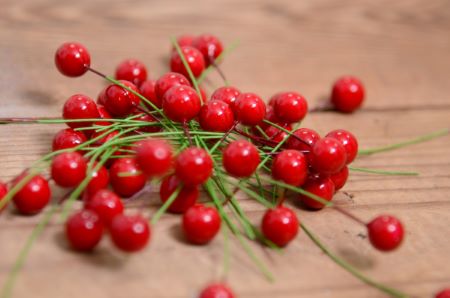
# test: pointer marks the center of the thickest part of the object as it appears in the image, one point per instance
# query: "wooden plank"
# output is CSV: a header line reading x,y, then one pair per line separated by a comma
x,y
398,49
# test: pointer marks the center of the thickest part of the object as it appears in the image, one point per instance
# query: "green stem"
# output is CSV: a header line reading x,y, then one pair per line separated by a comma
x,y
383,172
424,138
166,205
390,291
20,261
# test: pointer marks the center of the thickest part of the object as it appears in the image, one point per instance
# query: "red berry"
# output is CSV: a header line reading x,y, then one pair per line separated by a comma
x,y
250,109
67,138
185,199
185,40
147,89
68,169
216,291
320,186
106,204
226,94
72,59
328,156
270,115
209,45
193,58
126,177
203,95
277,135
290,107
303,140
385,232
131,70
181,103
240,158
84,230
129,233
153,123
103,114
3,192
80,106
33,196
201,224
216,115
348,140
193,166
340,178
119,101
290,166
167,81
154,157
99,180
101,97
445,293
280,225
105,138
347,94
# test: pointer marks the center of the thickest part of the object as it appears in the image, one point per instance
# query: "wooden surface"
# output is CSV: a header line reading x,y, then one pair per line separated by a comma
x,y
398,48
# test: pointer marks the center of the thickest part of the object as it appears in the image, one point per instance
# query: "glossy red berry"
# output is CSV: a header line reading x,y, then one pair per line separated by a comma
x,y
347,94
216,291
147,89
303,139
250,109
67,138
203,95
201,224
181,103
290,107
72,59
126,177
68,169
154,157
240,158
290,166
102,138
226,94
84,230
385,232
277,135
193,166
99,180
193,58
131,70
270,115
348,140
79,106
320,186
119,101
153,123
280,225
103,114
184,40
101,97
167,81
33,196
130,233
217,116
106,204
210,46
445,293
3,192
328,156
340,178
185,199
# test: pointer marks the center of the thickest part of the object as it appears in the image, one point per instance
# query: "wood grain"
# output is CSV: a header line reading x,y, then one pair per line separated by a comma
x,y
399,49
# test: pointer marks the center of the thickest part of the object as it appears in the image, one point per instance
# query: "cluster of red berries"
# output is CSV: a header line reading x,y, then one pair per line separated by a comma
x,y
299,158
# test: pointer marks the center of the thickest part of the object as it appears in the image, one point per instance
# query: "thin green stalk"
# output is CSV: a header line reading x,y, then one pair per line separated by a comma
x,y
219,59
390,291
383,172
424,138
20,261
166,205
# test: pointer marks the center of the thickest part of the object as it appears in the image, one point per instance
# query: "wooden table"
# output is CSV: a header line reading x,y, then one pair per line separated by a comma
x,y
399,49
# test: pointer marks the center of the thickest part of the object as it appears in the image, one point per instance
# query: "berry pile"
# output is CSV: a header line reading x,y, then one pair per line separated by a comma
x,y
170,132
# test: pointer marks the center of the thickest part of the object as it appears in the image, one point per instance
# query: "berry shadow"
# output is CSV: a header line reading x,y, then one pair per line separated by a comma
x,y
40,97
176,232
100,256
